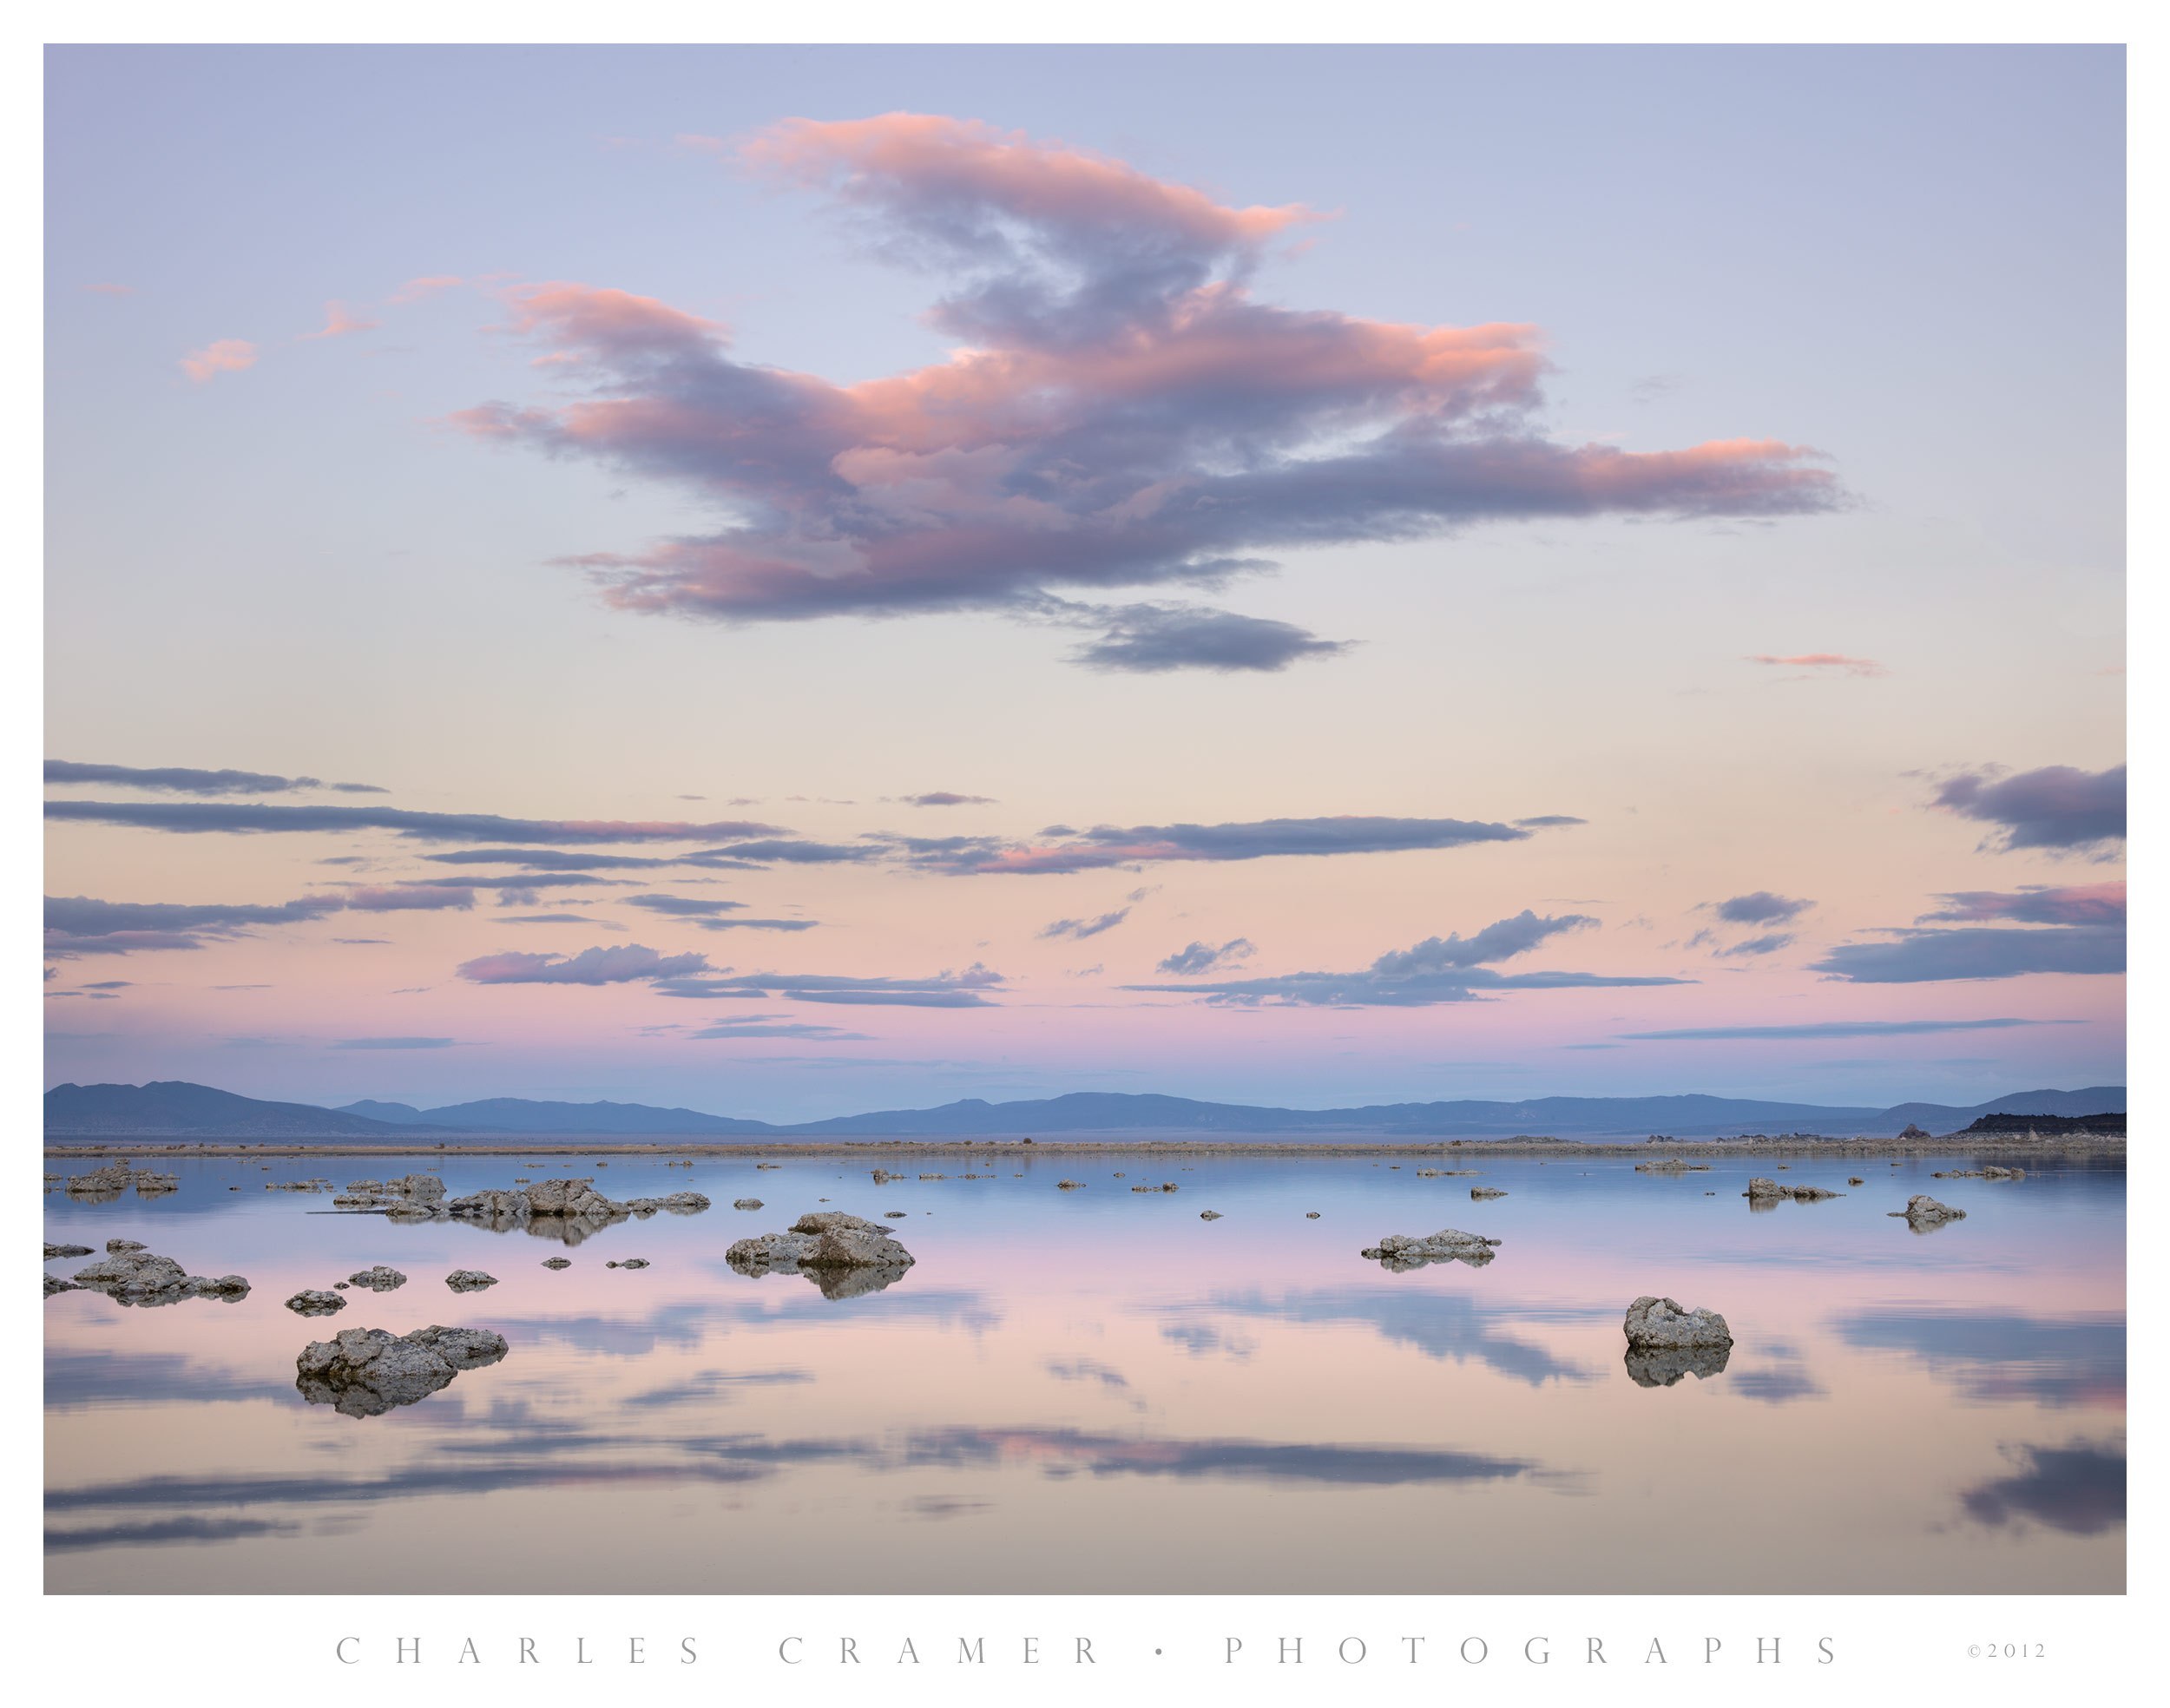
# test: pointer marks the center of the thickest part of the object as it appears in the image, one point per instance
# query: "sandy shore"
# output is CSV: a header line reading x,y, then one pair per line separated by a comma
x,y
2019,1145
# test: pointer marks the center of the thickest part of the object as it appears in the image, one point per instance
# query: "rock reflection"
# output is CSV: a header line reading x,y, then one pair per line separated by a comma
x,y
1662,1366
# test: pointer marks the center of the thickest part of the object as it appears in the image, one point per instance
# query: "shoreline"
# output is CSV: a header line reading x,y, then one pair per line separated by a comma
x,y
1944,1145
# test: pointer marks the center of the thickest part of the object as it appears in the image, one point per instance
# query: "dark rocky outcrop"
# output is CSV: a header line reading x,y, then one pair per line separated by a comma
x,y
469,1280
53,1251
315,1302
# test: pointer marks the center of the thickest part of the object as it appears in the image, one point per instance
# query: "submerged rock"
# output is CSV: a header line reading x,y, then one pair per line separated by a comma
x,y
1486,1191
1311,1215
1653,1324
745,1204
53,1251
381,1280
315,1302
1405,1252
844,1255
627,1262
469,1280
55,1284
1991,1173
1672,1166
1070,1185
129,1275
1209,1215
1854,1181
366,1372
557,1263
1922,1213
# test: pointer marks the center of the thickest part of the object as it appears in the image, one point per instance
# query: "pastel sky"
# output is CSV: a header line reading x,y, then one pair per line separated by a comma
x,y
791,581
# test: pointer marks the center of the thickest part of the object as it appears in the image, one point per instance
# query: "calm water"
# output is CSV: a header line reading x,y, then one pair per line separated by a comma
x,y
1097,1390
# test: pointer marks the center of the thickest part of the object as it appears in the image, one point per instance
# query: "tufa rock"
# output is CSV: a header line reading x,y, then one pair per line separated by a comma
x,y
1660,1325
1924,1213
366,1372
469,1280
315,1302
381,1280
1400,1252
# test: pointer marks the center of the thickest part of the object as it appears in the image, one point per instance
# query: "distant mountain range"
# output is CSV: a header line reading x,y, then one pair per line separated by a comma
x,y
175,1108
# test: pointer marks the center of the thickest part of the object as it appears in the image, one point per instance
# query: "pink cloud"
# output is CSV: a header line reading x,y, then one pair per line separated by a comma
x,y
428,285
1121,410
1839,662
223,356
109,290
338,322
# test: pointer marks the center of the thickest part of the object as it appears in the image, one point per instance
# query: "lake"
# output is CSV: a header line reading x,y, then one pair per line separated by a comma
x,y
1097,1390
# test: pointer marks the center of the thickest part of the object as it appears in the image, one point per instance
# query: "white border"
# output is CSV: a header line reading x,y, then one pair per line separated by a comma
x,y
250,1649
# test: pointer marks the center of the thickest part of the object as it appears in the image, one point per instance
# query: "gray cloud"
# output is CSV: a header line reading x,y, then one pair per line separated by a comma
x,y
1065,850
1439,969
943,990
1829,1028
1978,952
2054,807
1155,639
682,907
619,964
78,925
1770,943
758,1027
187,780
1194,957
196,817
2034,904
1548,821
1081,928
1760,907
1499,940
945,797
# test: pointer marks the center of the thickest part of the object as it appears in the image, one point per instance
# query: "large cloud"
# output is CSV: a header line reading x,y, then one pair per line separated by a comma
x,y
2053,808
189,780
619,965
1978,952
1120,412
1438,970
1064,850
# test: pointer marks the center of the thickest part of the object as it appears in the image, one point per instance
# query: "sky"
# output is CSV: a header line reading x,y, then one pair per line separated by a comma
x,y
790,582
